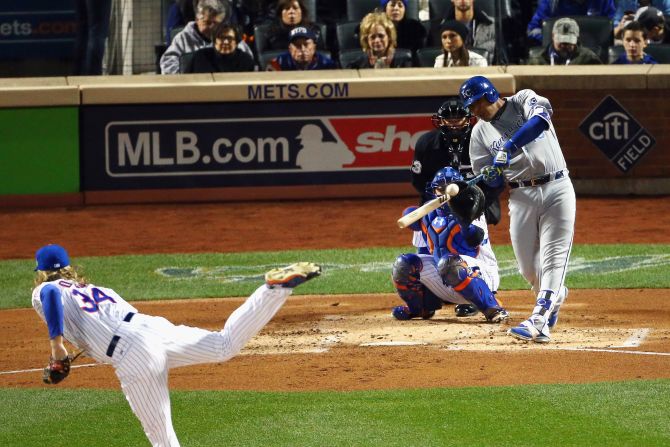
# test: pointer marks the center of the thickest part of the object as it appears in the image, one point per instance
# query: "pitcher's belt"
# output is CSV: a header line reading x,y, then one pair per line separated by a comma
x,y
537,181
115,339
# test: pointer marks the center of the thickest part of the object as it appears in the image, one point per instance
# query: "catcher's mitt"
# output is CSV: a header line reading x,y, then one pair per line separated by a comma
x,y
468,204
56,370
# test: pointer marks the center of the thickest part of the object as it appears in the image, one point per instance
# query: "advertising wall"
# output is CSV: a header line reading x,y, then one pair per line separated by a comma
x,y
39,150
39,29
251,144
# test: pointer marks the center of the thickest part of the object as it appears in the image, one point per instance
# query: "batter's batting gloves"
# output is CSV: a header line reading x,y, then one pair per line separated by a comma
x,y
501,159
492,176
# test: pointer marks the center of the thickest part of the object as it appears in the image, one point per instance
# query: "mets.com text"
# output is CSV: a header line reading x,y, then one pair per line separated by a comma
x,y
299,91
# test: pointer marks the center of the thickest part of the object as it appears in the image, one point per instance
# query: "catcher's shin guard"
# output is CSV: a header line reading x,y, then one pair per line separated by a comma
x,y
456,273
421,302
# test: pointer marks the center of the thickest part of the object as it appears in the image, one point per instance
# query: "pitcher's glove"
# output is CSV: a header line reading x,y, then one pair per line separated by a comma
x,y
56,370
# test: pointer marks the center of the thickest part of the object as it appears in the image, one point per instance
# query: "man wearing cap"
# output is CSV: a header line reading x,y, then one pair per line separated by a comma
x,y
301,54
565,48
653,21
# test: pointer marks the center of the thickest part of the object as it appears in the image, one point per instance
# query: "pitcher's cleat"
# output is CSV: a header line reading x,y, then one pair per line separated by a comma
x,y
292,275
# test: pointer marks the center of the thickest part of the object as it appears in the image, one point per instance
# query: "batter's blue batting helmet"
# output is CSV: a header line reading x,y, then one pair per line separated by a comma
x,y
475,88
442,178
51,257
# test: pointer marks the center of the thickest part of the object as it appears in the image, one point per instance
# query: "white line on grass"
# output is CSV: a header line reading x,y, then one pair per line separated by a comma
x,y
21,371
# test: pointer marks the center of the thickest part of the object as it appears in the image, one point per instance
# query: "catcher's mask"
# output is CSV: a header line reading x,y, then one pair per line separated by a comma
x,y
438,185
452,119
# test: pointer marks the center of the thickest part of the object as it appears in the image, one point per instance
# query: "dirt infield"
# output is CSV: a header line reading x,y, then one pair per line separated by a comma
x,y
351,342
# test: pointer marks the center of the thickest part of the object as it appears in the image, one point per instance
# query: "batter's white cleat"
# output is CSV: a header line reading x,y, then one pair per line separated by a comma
x,y
534,329
292,275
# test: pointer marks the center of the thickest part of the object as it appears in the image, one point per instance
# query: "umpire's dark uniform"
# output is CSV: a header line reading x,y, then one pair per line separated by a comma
x,y
433,152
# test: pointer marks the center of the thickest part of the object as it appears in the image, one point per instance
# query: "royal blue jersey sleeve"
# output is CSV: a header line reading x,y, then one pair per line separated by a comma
x,y
532,129
53,309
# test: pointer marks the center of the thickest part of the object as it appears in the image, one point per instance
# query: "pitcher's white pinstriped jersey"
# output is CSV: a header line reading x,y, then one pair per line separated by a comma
x,y
91,315
539,157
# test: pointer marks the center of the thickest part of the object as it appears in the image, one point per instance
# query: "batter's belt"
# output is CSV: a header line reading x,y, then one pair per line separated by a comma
x,y
537,181
115,339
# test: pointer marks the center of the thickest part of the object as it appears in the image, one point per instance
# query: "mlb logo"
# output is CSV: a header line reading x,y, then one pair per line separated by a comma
x,y
617,134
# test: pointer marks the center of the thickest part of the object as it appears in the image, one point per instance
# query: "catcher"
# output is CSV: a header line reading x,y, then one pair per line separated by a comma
x,y
142,348
457,264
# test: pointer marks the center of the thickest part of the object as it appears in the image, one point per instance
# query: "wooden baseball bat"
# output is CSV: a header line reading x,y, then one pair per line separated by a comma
x,y
432,205
427,207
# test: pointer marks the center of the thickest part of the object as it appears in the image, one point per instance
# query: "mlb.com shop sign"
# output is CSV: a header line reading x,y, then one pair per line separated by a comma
x,y
239,146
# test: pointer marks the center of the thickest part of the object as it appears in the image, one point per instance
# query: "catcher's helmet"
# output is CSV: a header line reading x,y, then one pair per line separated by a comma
x,y
477,87
441,179
452,119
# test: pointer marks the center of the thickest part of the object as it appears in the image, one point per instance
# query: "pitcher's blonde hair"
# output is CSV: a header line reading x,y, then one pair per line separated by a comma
x,y
70,273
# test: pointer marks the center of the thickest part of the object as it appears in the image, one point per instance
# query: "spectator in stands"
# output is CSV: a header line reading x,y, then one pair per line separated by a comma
x,y
634,43
378,42
625,11
565,48
290,14
454,52
92,30
301,54
197,34
654,23
547,9
481,29
223,56
410,33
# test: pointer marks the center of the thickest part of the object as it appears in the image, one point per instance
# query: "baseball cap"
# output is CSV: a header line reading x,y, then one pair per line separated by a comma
x,y
649,17
51,257
300,31
565,30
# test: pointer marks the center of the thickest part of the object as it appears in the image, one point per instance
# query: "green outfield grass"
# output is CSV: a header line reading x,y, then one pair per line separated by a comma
x,y
149,277
603,414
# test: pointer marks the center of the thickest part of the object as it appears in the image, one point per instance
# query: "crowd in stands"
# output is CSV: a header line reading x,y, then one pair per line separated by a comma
x,y
239,35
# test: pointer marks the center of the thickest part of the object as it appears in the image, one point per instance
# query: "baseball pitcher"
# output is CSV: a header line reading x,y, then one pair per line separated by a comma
x,y
142,348
515,142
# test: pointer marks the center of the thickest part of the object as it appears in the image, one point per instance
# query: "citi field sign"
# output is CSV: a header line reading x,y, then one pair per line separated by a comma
x,y
235,147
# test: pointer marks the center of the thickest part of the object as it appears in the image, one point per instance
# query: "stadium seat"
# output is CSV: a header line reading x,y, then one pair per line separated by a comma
x,y
660,52
348,56
427,55
347,36
614,52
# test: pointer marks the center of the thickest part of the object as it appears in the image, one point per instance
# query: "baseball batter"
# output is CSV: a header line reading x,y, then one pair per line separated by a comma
x,y
515,141
142,348
455,262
